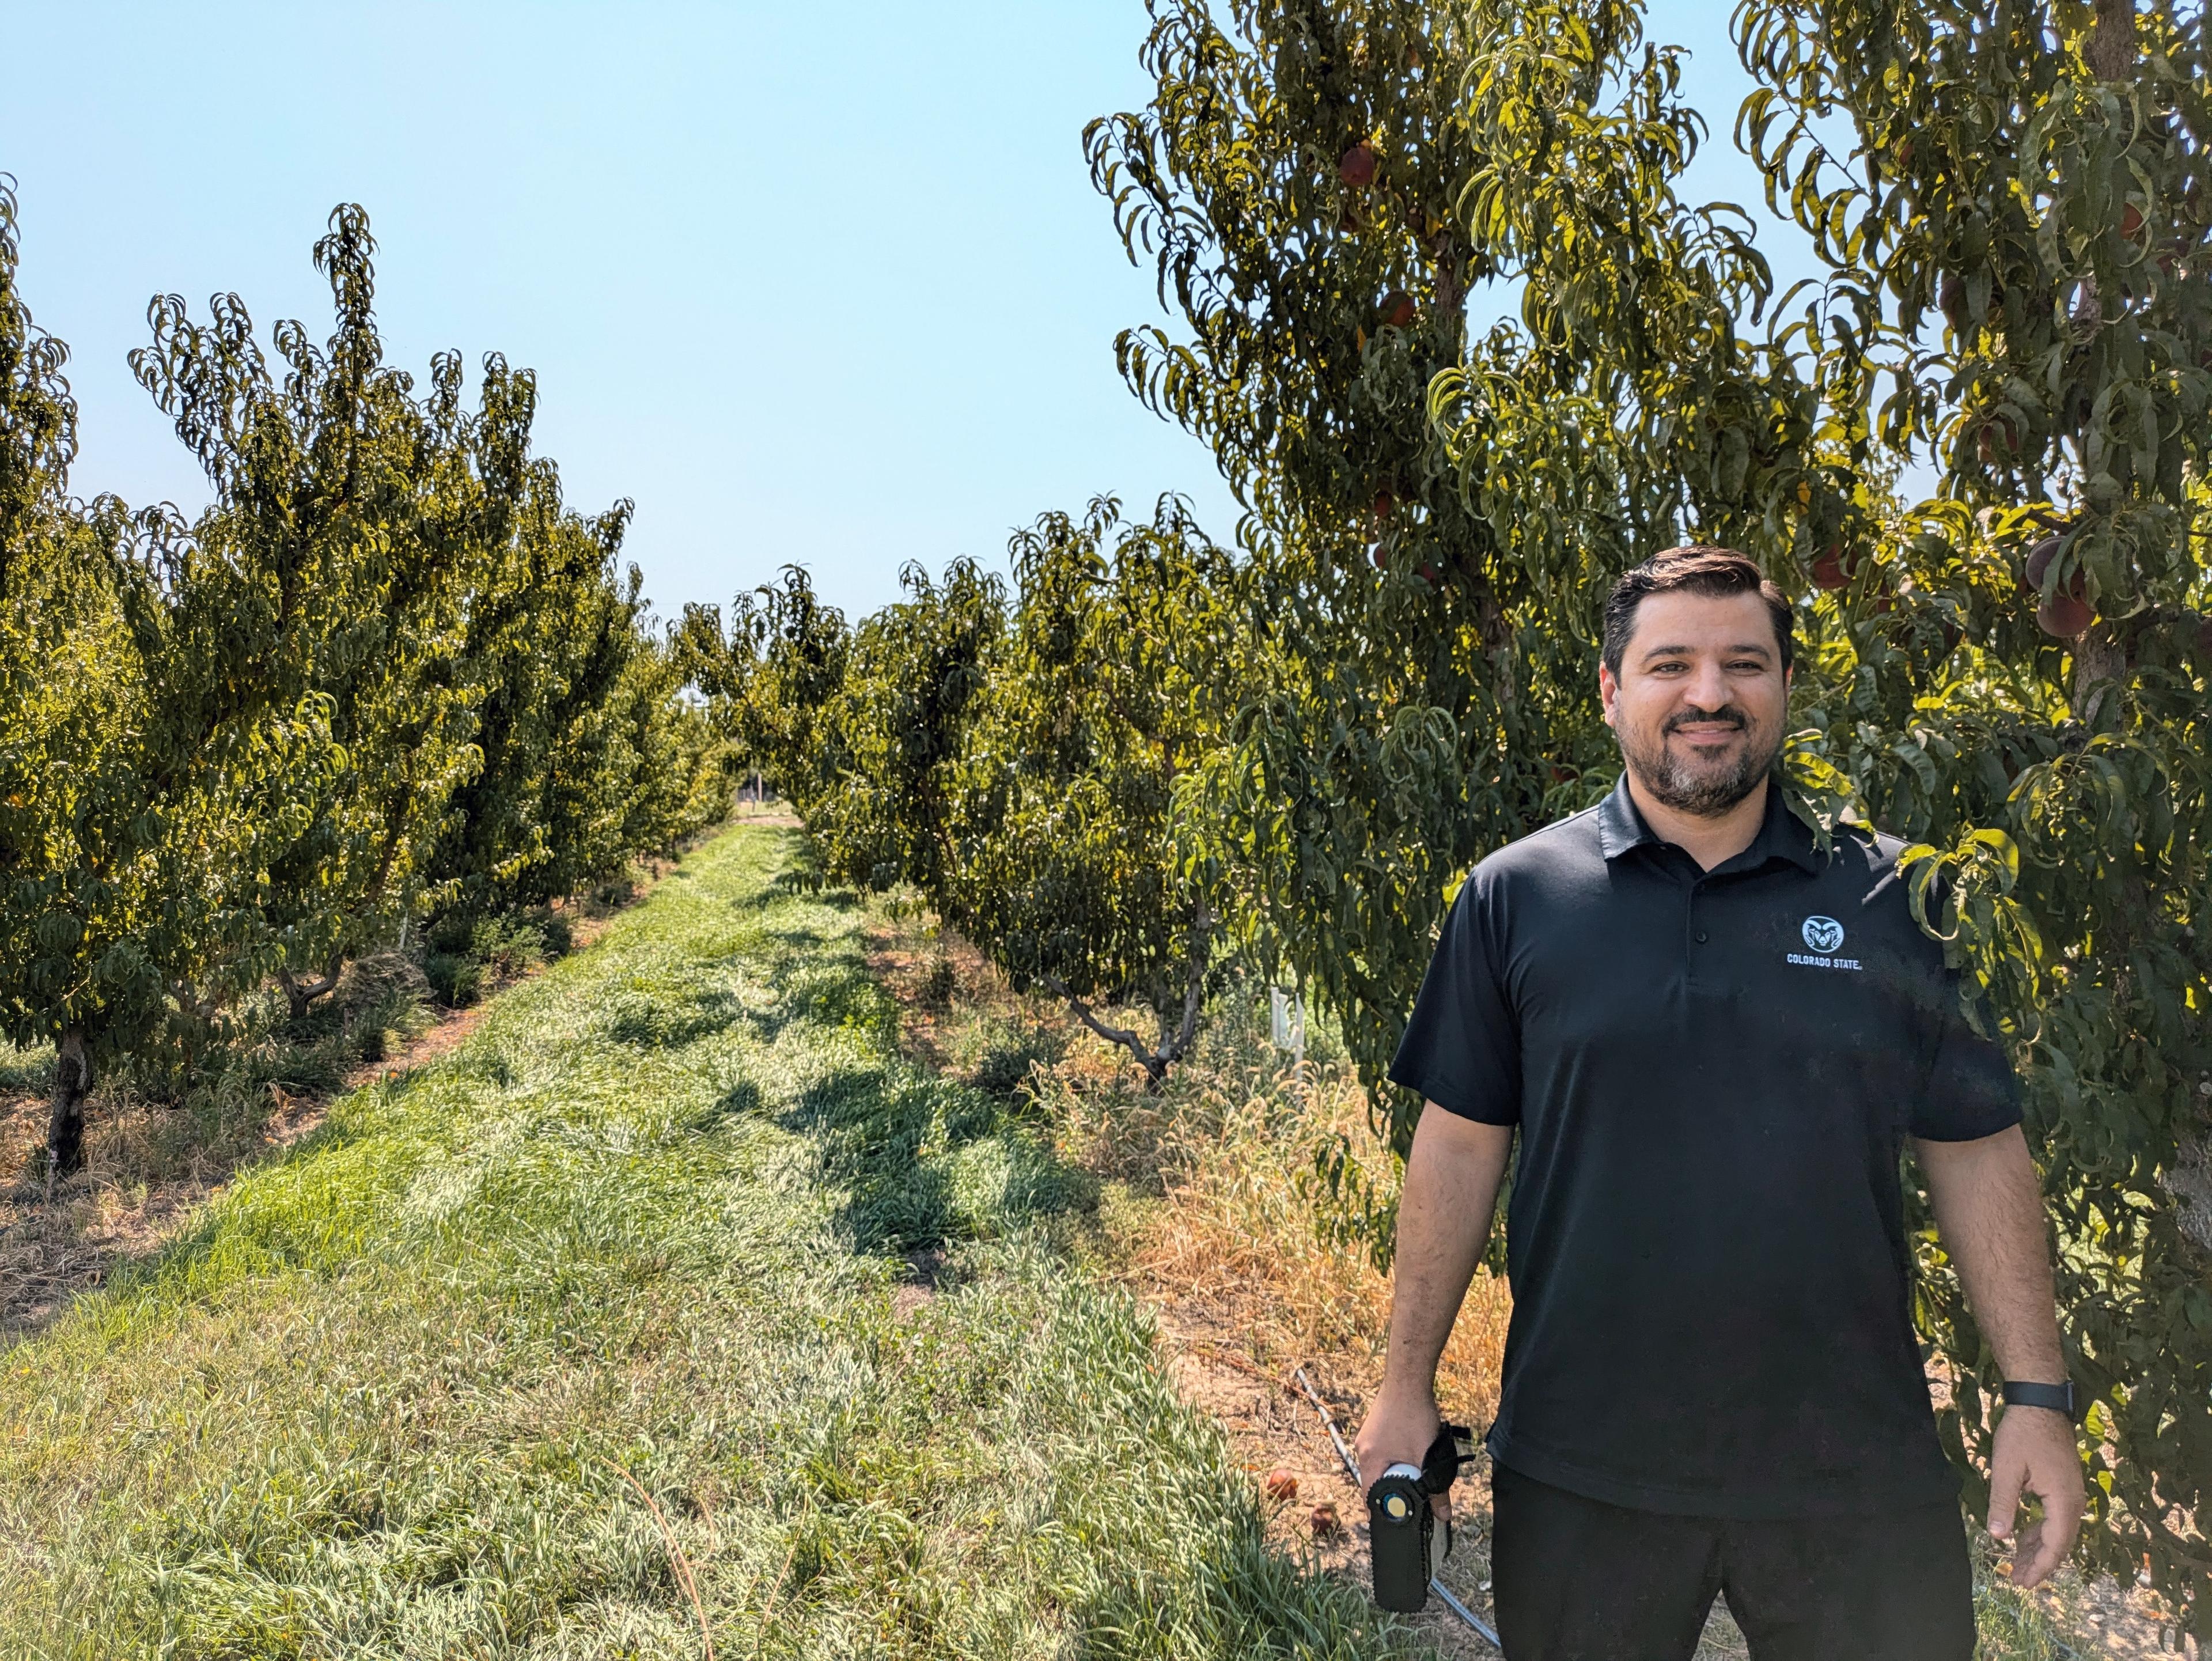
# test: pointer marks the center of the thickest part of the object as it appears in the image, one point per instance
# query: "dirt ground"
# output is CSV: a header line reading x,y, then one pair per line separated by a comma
x,y
1275,1431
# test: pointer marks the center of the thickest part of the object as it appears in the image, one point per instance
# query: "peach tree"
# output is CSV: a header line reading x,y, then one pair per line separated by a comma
x,y
769,675
147,776
356,519
860,728
1101,700
916,675
590,754
2010,203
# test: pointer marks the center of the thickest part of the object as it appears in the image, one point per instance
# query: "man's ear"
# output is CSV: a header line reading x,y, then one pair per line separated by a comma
x,y
1609,690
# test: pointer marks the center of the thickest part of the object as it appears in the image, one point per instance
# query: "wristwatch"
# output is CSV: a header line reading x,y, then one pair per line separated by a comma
x,y
2059,1398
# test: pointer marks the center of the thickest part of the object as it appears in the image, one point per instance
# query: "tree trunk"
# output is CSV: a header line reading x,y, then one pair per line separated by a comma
x,y
300,996
1174,1043
65,1126
2112,40
2100,665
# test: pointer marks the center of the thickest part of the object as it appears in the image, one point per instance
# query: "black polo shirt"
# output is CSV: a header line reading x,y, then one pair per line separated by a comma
x,y
1713,1073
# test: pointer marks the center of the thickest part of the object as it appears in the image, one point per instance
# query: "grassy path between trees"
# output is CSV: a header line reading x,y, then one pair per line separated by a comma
x,y
656,1220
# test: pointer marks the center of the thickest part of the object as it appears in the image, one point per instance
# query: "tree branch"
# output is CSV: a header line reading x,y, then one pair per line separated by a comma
x,y
301,997
1174,1044
1121,1035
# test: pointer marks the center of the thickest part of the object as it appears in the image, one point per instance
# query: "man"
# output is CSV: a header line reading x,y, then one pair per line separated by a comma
x,y
1713,1040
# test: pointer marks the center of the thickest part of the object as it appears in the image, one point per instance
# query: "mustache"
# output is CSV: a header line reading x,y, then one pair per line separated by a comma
x,y
1727,713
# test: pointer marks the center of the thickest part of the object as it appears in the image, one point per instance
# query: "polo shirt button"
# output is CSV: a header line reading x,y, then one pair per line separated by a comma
x,y
1701,937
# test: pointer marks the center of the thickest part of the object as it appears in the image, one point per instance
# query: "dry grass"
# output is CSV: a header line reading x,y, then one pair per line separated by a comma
x,y
1217,1225
1235,1240
1223,1222
145,1178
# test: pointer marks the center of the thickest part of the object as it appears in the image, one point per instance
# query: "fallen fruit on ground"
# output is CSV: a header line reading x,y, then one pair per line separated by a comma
x,y
1282,1485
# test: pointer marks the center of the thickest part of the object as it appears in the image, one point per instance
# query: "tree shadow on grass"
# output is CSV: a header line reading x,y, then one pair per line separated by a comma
x,y
742,1100
868,1134
838,992
924,1161
670,1022
805,879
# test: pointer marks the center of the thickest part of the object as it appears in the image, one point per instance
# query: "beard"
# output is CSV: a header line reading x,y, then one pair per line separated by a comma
x,y
1705,788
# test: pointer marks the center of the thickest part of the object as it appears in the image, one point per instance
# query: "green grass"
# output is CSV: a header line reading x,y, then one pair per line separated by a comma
x,y
651,1215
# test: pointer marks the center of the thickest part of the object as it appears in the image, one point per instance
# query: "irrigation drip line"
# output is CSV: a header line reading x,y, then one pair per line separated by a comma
x,y
1351,1469
1462,1611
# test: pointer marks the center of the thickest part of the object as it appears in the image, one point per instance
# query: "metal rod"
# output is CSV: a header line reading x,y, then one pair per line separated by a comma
x,y
1351,1469
1350,1466
1466,1614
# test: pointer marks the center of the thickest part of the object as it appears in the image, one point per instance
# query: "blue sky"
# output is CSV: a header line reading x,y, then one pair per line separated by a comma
x,y
820,283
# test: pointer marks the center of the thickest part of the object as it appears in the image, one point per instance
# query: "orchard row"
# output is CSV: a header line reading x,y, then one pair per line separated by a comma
x,y
386,676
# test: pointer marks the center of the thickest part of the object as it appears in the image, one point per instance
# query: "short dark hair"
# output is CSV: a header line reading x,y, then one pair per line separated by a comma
x,y
1696,567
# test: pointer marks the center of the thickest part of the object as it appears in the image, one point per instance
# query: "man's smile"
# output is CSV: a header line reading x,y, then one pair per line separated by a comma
x,y
1707,733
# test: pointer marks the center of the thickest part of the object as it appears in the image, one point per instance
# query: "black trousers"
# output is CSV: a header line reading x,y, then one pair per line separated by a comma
x,y
1578,1580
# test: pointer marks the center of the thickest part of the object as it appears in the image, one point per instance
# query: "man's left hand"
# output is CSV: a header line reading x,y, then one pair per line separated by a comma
x,y
2035,1453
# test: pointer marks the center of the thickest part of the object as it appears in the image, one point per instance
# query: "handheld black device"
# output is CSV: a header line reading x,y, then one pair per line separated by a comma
x,y
1404,1535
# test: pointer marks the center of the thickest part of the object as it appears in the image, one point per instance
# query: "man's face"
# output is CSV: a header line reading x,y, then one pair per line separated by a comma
x,y
1699,702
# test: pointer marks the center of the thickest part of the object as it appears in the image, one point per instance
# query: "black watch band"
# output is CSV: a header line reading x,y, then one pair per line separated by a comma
x,y
2059,1398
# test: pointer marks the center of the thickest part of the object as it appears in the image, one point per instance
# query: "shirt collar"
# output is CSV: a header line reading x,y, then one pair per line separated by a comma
x,y
1620,826
1782,834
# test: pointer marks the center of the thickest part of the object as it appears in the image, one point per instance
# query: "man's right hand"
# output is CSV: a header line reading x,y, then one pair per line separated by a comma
x,y
1452,1175
1398,1431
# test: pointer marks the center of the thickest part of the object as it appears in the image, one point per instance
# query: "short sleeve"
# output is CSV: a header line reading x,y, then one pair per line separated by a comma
x,y
1972,1090
1463,1047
